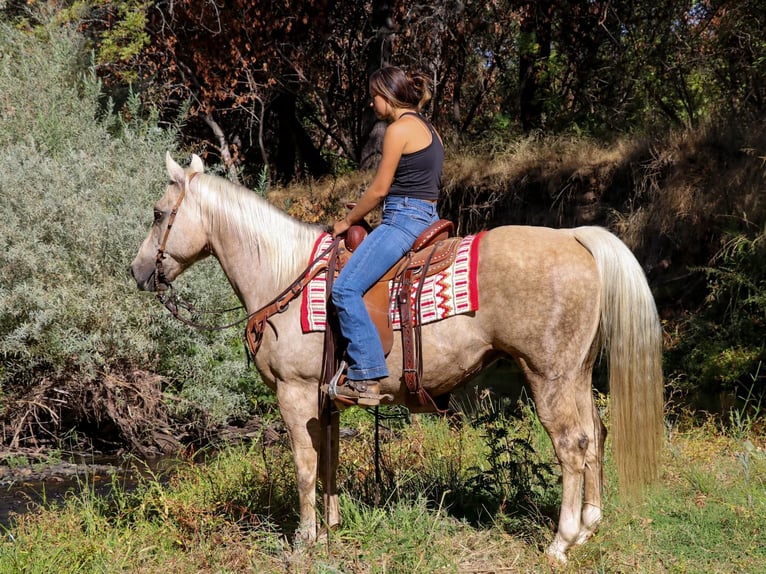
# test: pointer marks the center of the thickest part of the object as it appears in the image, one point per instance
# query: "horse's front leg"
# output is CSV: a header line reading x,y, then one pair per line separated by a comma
x,y
299,409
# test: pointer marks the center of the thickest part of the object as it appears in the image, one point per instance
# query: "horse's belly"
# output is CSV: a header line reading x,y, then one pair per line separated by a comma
x,y
455,350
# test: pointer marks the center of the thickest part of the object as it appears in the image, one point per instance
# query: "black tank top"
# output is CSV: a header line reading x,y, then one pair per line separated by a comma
x,y
418,174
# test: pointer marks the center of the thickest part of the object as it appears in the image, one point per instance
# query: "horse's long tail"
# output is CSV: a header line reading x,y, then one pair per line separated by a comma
x,y
632,336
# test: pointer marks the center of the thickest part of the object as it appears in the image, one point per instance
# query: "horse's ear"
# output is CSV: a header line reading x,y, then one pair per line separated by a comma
x,y
196,164
175,171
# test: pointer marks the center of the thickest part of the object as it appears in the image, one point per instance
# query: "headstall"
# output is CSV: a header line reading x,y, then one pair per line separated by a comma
x,y
256,321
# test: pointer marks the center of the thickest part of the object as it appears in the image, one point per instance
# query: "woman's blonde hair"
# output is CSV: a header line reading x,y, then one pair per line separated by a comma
x,y
400,89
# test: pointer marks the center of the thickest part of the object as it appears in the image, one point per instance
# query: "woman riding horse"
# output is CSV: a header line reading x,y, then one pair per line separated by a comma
x,y
551,299
407,182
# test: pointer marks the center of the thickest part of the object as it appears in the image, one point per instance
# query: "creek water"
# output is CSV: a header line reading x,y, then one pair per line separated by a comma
x,y
26,486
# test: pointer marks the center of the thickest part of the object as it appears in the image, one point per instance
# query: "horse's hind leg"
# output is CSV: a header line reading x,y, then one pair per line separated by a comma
x,y
298,406
565,407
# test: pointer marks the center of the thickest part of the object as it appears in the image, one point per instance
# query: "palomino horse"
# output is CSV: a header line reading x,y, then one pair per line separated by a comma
x,y
550,299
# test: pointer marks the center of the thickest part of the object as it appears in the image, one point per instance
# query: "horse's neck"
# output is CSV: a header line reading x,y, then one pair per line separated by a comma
x,y
257,270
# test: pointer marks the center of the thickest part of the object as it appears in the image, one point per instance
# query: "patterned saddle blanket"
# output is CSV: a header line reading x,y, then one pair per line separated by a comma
x,y
451,291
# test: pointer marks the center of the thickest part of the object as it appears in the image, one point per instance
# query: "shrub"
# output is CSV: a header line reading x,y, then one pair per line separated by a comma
x,y
78,184
722,346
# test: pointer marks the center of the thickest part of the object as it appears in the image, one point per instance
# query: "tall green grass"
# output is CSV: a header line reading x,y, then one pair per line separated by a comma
x,y
234,511
78,180
494,466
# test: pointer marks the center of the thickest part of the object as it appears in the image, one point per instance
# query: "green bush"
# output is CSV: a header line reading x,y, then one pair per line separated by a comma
x,y
78,185
722,346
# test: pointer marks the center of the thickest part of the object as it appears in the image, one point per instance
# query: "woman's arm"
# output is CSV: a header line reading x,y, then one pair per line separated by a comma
x,y
394,141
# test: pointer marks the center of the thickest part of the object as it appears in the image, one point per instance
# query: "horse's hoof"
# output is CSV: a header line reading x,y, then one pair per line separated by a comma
x,y
584,536
556,553
304,537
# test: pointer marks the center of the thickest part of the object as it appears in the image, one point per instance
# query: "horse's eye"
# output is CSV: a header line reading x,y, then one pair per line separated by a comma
x,y
157,216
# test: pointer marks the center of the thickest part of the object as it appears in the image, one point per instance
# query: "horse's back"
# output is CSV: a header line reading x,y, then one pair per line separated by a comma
x,y
525,242
538,262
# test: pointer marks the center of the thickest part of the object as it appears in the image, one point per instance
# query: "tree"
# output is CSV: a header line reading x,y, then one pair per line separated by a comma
x,y
263,78
284,83
534,52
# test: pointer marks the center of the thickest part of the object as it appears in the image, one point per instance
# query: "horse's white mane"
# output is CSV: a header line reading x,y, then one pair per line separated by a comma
x,y
282,242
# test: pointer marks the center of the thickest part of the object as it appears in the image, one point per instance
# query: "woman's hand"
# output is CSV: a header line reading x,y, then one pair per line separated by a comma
x,y
340,227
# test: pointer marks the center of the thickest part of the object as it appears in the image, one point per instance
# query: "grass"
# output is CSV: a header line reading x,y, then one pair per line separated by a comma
x,y
705,515
235,512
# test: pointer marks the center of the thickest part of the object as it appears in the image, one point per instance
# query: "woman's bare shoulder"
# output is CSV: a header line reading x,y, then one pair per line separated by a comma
x,y
412,130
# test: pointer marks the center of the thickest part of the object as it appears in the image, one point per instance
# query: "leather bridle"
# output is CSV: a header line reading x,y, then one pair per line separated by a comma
x,y
160,283
164,288
257,320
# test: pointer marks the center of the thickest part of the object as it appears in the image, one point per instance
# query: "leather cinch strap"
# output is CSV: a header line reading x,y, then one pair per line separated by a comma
x,y
412,343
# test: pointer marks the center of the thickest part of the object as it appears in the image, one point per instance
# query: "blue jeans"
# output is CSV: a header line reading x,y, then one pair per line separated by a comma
x,y
404,219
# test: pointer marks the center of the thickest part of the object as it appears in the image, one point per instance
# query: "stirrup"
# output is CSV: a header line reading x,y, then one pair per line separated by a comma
x,y
332,387
363,393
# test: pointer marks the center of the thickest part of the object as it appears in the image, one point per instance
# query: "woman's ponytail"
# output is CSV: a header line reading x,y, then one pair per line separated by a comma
x,y
422,86
400,88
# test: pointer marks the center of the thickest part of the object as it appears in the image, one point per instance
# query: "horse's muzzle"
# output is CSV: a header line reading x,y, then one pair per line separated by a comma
x,y
147,283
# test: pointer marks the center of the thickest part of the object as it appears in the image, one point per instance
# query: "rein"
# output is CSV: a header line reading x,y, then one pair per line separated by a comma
x,y
164,288
172,303
256,321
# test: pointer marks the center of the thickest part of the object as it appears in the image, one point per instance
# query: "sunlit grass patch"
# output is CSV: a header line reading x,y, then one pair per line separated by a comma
x,y
252,487
221,512
406,537
707,514
235,510
76,537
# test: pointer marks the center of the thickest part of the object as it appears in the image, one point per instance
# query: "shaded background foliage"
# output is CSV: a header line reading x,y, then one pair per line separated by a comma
x,y
283,84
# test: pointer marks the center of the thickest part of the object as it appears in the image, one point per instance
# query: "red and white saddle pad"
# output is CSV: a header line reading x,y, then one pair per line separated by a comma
x,y
451,292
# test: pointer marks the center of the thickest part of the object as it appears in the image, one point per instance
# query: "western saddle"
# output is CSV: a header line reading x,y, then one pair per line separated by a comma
x,y
433,251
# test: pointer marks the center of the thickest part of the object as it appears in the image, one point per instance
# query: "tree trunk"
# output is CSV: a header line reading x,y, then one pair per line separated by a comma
x,y
379,56
294,144
535,51
223,147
